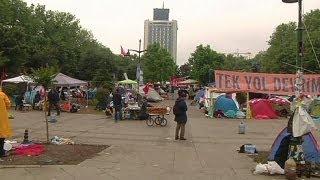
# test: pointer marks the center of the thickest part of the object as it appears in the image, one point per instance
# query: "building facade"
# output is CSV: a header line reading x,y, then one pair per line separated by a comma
x,y
162,31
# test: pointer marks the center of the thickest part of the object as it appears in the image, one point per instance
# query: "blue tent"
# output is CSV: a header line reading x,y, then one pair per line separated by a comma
x,y
310,147
225,104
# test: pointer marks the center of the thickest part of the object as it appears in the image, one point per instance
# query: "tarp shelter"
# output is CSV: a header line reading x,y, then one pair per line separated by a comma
x,y
66,81
127,81
151,95
310,147
19,79
63,80
262,109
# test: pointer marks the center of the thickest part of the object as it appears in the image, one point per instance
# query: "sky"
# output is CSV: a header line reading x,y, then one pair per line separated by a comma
x,y
228,26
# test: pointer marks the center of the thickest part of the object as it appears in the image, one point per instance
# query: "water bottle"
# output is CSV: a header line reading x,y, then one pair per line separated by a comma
x,y
242,128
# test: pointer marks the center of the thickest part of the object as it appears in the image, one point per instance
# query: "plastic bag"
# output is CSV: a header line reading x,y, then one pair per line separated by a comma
x,y
261,169
274,168
302,123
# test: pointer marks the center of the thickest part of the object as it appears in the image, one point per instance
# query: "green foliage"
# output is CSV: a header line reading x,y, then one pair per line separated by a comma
x,y
102,95
185,70
44,76
158,65
11,89
283,47
203,62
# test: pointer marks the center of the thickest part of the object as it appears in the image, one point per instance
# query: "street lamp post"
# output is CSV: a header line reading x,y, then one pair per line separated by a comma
x,y
139,60
300,31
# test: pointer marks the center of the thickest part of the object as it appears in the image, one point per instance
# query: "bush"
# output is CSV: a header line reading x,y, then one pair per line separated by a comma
x,y
102,95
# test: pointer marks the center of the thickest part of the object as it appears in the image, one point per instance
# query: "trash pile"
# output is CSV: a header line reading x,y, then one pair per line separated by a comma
x,y
271,168
61,141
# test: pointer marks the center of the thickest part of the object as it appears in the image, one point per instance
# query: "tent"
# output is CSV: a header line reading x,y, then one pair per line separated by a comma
x,y
151,95
281,106
225,104
19,79
310,147
66,81
262,109
127,81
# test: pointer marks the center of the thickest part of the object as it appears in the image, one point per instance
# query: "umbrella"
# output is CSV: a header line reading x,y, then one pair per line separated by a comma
x,y
128,81
189,81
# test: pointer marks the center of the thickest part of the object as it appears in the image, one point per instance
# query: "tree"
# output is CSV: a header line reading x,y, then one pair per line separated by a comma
x,y
44,77
202,61
185,70
158,64
281,56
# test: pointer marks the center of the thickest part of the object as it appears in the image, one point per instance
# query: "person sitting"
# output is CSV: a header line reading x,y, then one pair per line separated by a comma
x,y
144,108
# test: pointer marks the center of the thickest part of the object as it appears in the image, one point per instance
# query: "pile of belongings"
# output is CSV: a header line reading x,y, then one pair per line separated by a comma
x,y
271,168
61,141
29,149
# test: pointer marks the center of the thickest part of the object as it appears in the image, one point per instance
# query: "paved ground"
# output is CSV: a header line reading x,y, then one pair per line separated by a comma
x,y
140,152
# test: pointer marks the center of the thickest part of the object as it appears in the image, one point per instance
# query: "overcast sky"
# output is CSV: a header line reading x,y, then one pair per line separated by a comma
x,y
227,25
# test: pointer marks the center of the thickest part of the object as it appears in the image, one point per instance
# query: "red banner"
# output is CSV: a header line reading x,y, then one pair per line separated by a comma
x,y
281,84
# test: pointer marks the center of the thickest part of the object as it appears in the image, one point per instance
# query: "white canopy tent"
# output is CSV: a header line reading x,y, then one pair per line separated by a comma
x,y
19,79
62,80
66,81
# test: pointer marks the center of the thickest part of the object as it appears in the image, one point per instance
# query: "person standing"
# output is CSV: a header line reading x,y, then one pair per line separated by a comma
x,y
180,111
117,103
37,99
53,97
5,127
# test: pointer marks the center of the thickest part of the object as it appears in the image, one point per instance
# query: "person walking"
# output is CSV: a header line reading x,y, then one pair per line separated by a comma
x,y
117,103
180,111
5,127
53,98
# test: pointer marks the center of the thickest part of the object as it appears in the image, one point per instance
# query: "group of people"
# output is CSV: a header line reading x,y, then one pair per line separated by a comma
x,y
179,110
120,100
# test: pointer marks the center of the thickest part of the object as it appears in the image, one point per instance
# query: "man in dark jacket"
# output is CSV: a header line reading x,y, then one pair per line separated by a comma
x,y
117,103
53,97
180,112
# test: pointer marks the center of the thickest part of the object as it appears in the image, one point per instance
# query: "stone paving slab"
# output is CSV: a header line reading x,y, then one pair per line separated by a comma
x,y
140,152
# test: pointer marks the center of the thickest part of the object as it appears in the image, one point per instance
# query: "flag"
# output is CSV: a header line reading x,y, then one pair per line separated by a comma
x,y
124,52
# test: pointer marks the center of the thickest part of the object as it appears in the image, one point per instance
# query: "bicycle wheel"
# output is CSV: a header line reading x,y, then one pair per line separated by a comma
x,y
163,121
157,120
150,121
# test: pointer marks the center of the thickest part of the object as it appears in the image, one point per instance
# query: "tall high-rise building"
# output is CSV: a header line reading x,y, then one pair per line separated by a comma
x,y
162,31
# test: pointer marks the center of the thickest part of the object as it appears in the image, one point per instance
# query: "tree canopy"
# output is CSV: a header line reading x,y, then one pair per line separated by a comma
x,y
158,64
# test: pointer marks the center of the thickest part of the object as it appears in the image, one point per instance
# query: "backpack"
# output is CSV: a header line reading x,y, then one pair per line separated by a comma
x,y
176,109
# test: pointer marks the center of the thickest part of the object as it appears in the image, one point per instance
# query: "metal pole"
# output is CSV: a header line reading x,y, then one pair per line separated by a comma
x,y
300,36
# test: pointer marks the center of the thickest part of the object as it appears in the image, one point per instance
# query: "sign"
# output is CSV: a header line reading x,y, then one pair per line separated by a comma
x,y
281,84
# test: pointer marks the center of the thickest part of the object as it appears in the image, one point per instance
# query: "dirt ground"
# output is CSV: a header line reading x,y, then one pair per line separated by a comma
x,y
57,155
